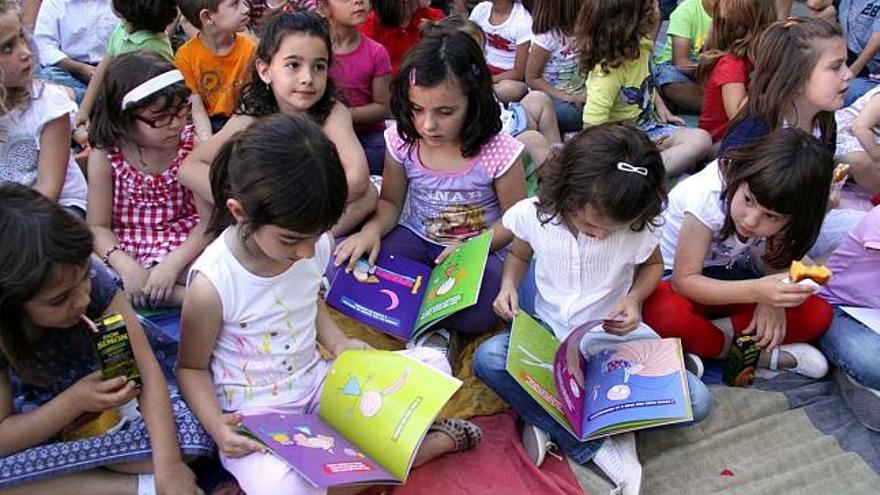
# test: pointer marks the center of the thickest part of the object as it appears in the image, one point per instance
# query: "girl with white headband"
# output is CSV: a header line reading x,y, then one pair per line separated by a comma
x,y
145,221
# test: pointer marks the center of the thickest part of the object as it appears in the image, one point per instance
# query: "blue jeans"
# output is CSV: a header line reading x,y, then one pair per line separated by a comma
x,y
858,87
854,348
569,115
57,75
373,143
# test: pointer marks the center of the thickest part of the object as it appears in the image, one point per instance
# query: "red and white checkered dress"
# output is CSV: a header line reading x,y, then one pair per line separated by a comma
x,y
152,214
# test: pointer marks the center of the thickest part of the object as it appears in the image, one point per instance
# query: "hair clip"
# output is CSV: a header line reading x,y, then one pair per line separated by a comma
x,y
412,77
626,167
475,72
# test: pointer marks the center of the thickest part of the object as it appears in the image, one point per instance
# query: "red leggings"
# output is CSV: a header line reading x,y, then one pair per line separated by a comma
x,y
673,315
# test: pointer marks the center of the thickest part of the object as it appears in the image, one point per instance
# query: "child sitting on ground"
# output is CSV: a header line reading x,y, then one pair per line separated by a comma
x,y
615,48
676,65
35,123
508,28
592,235
361,70
858,139
217,62
71,39
450,173
145,222
264,272
395,25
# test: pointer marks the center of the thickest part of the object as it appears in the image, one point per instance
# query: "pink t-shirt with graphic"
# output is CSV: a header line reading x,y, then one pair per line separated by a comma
x,y
856,266
444,207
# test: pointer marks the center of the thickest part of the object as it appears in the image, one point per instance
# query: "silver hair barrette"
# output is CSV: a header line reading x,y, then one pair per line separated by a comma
x,y
626,167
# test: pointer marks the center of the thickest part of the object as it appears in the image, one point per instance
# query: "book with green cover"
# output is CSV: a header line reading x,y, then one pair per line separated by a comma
x,y
374,411
625,387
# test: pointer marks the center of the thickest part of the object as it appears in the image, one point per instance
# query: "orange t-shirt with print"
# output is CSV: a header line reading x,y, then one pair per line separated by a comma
x,y
216,79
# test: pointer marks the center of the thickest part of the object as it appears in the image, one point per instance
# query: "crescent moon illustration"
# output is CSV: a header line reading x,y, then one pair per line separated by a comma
x,y
395,301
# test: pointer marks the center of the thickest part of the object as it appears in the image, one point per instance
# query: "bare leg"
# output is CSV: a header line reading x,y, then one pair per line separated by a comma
x,y
356,212
94,482
542,116
509,90
683,149
864,170
537,145
687,96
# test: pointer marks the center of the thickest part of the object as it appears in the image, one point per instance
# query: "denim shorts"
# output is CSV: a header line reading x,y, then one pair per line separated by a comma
x,y
667,73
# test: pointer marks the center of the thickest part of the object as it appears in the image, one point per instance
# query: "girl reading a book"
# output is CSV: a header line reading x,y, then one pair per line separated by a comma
x,y
51,380
252,317
589,243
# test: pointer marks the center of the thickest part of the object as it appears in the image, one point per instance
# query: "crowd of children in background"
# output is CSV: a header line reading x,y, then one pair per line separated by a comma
x,y
227,173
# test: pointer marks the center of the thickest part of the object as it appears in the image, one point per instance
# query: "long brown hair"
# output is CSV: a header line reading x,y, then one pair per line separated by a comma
x,y
788,171
736,26
555,15
787,53
609,32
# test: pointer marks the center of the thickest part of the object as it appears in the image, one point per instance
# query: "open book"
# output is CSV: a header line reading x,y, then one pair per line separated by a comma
x,y
373,413
629,386
402,298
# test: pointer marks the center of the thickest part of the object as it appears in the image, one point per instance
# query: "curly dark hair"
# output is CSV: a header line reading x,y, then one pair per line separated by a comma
x,y
448,55
108,123
609,32
256,98
788,171
585,172
146,15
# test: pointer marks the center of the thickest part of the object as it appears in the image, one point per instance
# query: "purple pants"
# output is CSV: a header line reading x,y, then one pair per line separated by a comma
x,y
478,318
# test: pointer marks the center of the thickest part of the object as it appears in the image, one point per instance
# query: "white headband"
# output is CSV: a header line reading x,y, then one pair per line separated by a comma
x,y
150,86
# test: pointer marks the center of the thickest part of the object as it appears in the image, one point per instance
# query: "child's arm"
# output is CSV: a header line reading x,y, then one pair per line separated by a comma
x,y
535,65
663,112
338,128
603,89
54,157
47,38
329,334
863,128
172,475
510,188
85,108
200,323
518,72
163,277
871,49
98,214
380,108
516,264
368,240
626,316
733,97
201,119
681,55
195,170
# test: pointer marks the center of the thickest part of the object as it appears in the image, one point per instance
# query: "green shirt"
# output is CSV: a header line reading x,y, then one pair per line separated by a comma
x,y
688,20
123,41
625,93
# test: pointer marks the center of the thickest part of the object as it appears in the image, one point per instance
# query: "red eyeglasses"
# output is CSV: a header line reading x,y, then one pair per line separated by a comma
x,y
164,119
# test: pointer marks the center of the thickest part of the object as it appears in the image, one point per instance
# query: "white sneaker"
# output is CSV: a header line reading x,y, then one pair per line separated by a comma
x,y
694,364
810,361
619,461
536,442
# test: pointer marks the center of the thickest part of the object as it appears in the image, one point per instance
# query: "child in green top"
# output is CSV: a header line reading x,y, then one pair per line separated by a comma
x,y
142,28
615,49
676,63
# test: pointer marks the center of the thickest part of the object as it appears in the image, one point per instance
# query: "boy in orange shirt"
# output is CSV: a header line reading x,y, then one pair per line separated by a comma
x,y
217,62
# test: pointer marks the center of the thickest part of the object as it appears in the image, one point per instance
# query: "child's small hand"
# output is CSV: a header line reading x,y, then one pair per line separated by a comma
x,y
768,326
233,444
506,304
446,252
134,278
177,479
772,291
93,394
670,118
355,246
160,283
350,345
624,318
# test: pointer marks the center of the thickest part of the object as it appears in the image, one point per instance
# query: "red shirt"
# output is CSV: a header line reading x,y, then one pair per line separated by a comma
x,y
397,40
728,69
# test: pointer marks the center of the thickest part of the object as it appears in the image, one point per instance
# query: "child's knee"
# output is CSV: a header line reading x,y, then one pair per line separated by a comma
x,y
701,397
815,320
491,356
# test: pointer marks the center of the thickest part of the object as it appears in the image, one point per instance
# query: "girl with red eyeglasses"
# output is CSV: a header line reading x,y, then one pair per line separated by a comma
x,y
145,223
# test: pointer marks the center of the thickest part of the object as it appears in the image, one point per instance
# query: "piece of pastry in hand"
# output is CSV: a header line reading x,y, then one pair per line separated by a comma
x,y
840,172
817,273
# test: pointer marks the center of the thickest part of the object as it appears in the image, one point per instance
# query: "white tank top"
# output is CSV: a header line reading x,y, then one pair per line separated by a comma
x,y
265,354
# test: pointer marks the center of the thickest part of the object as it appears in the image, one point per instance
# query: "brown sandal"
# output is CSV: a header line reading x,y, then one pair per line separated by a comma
x,y
464,434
